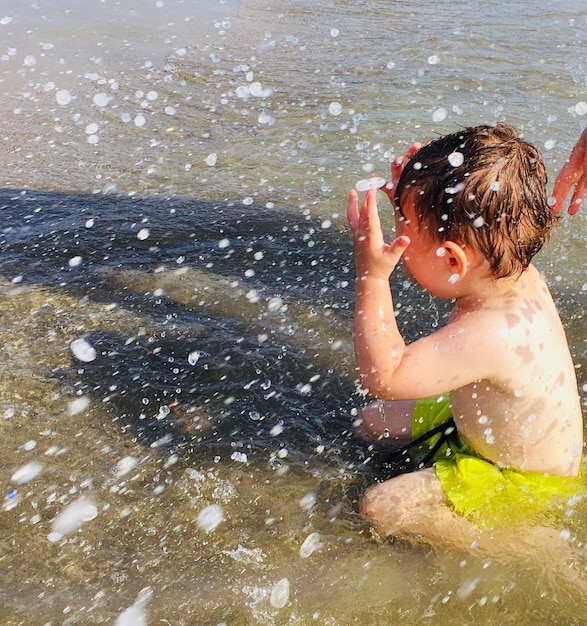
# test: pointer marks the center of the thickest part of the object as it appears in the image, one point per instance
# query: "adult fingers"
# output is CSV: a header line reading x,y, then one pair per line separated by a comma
x,y
567,177
578,195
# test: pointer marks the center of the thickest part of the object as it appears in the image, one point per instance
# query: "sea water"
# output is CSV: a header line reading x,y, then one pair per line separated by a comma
x,y
177,383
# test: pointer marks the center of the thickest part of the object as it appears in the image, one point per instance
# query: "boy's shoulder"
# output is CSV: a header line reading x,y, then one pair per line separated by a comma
x,y
521,319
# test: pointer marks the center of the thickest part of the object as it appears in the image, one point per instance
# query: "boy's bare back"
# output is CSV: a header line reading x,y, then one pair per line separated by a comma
x,y
527,415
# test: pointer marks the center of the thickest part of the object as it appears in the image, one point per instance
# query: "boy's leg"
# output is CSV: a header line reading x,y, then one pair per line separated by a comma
x,y
386,421
414,507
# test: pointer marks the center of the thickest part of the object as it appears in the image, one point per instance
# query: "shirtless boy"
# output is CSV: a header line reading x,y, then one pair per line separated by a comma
x,y
471,211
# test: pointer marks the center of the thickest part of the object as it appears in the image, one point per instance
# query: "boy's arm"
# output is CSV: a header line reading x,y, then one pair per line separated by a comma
x,y
573,172
450,358
379,345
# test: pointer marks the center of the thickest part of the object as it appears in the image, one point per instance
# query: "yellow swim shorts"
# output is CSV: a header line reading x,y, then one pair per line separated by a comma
x,y
486,494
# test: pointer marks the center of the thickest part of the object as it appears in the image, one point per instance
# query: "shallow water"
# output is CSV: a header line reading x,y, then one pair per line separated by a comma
x,y
173,188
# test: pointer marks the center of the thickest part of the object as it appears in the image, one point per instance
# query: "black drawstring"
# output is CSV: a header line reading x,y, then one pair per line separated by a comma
x,y
447,432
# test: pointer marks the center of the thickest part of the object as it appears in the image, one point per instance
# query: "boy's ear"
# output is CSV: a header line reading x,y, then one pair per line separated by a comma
x,y
456,257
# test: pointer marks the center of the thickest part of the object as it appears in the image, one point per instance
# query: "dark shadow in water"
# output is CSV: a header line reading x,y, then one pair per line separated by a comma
x,y
252,389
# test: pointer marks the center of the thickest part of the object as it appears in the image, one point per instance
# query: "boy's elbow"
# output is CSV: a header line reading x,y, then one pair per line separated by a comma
x,y
376,388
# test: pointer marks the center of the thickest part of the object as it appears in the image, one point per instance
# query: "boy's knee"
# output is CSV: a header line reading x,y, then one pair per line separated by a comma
x,y
378,504
403,504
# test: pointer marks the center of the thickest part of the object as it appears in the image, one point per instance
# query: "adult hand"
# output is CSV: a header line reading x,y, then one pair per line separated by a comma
x,y
397,167
573,172
373,257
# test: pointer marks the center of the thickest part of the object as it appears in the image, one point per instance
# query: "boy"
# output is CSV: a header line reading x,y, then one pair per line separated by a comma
x,y
471,212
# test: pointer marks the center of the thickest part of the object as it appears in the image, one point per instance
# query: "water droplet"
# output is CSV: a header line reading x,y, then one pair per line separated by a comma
x,y
164,411
101,99
143,234
275,304
453,278
433,59
26,473
256,89
210,517
126,465
467,588
136,614
308,501
63,97
280,594
211,159
310,545
439,115
78,405
194,357
140,121
335,108
581,108
478,222
266,118
83,350
375,182
456,159
334,32
224,243
73,516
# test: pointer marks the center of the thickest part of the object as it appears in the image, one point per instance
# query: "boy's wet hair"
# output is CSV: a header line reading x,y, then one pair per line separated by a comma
x,y
485,187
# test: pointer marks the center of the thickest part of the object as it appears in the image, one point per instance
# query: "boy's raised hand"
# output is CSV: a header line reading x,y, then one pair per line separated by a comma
x,y
373,257
573,172
397,167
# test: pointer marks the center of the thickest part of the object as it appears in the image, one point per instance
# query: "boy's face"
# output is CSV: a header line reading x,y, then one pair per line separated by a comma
x,y
425,259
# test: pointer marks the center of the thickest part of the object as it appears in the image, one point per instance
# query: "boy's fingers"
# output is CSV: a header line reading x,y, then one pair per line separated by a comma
x,y
398,246
413,149
352,210
369,211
